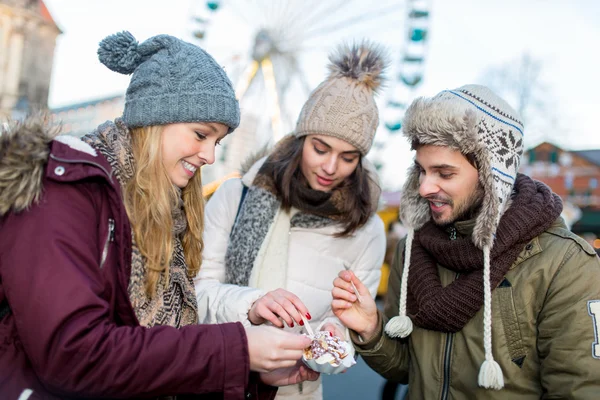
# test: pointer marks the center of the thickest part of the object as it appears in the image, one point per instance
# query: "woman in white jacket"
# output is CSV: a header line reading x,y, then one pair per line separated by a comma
x,y
277,238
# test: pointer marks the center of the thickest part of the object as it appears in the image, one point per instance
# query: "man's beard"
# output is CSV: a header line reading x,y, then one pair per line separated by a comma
x,y
464,211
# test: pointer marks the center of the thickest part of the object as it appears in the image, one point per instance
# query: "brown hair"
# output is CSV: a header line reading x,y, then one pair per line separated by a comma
x,y
150,198
285,163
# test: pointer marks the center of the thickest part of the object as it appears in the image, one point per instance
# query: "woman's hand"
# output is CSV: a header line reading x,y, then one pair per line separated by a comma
x,y
289,376
358,316
270,348
278,305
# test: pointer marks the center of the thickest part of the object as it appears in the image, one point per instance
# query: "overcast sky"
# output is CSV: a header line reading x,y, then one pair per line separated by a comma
x,y
467,38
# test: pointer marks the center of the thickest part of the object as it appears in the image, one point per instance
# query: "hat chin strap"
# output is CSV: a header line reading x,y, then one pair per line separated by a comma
x,y
401,326
490,373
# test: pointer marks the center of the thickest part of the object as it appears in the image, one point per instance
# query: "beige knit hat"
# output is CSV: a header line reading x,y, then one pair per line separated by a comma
x,y
343,106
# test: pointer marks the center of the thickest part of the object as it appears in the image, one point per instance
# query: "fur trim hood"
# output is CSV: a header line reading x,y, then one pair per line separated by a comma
x,y
24,153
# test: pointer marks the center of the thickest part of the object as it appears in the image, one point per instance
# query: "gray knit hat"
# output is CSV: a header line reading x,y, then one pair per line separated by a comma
x,y
473,120
343,106
173,81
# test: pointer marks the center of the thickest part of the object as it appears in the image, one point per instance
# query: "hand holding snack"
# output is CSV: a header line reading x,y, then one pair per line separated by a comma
x,y
360,316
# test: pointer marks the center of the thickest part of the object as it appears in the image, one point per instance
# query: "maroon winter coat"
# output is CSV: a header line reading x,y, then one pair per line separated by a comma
x,y
64,270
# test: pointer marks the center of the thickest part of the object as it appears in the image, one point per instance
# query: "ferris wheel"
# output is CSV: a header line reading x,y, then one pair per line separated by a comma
x,y
275,52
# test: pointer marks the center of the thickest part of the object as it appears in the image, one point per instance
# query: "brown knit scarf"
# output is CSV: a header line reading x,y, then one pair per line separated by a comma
x,y
447,309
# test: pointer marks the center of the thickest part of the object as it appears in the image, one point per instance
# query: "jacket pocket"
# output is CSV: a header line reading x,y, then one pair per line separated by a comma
x,y
512,332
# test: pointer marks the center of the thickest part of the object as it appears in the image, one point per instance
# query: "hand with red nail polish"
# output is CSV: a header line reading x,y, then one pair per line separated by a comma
x,y
277,306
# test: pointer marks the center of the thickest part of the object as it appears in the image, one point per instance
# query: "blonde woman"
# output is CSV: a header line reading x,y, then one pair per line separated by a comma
x,y
100,239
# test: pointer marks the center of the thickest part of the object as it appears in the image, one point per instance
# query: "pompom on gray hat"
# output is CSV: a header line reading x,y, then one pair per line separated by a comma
x,y
475,121
173,81
343,106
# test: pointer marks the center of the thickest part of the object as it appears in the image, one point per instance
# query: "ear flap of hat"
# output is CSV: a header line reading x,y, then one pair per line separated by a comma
x,y
414,210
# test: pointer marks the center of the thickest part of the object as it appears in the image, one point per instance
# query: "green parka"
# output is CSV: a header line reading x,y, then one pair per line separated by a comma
x,y
545,329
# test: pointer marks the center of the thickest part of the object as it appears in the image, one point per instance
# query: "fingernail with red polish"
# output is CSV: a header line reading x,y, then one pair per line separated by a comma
x,y
292,325
330,334
308,316
301,323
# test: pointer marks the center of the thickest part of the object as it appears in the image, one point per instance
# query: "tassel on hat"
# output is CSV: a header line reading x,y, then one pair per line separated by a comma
x,y
401,326
490,373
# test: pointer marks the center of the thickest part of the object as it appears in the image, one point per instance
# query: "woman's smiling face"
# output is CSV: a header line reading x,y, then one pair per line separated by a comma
x,y
188,146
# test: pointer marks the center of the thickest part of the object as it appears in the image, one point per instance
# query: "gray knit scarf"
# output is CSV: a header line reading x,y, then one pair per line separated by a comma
x,y
175,304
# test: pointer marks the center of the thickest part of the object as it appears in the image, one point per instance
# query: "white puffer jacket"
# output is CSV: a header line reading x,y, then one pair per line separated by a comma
x,y
315,257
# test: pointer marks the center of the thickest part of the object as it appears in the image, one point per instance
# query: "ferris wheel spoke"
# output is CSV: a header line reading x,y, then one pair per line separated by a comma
x,y
286,72
349,21
333,9
302,18
246,79
283,22
271,86
308,11
266,12
236,9
301,77
281,17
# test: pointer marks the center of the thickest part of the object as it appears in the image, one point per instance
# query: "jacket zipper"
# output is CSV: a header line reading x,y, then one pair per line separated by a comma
x,y
449,342
109,238
447,357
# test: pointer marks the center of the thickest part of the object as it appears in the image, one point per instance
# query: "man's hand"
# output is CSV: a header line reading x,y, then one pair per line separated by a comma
x,y
358,316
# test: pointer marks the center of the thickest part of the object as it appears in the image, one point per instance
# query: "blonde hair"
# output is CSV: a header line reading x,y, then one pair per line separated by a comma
x,y
150,198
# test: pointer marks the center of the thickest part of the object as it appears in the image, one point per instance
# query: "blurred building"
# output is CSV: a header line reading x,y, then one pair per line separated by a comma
x,y
81,118
574,176
27,39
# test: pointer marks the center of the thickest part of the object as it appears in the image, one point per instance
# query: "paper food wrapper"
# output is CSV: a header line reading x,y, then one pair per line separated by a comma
x,y
337,354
